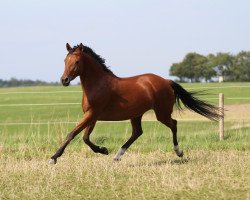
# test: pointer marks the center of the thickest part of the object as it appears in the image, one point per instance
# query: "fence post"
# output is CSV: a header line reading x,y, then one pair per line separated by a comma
x,y
221,122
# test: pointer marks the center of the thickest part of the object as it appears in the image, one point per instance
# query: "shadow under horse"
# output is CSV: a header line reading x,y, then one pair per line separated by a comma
x,y
107,97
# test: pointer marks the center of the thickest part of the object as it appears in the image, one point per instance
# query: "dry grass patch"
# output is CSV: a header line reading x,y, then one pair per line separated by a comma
x,y
157,175
232,112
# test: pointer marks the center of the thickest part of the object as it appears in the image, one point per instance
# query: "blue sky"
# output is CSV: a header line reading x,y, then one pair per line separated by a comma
x,y
133,36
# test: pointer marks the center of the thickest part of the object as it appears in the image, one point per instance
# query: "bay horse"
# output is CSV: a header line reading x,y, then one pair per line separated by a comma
x,y
107,97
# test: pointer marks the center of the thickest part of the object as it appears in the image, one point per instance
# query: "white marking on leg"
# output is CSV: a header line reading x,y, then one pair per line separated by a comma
x,y
178,151
52,161
119,154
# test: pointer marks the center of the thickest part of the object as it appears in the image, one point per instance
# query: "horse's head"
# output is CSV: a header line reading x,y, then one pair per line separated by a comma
x,y
72,64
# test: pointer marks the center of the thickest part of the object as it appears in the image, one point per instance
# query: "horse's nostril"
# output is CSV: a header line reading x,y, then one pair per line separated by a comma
x,y
66,80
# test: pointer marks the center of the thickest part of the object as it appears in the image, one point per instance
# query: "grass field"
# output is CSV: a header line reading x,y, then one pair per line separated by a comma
x,y
210,169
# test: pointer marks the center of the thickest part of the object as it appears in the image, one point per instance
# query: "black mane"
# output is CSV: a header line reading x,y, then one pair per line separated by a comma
x,y
97,57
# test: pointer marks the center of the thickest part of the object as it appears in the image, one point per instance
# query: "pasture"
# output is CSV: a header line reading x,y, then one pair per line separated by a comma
x,y
210,169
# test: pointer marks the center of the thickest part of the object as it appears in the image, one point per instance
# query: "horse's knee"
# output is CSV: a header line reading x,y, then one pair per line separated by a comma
x,y
170,123
137,133
71,136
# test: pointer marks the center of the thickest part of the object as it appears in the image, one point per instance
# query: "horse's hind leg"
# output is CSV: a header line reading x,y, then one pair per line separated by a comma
x,y
95,148
173,127
136,132
172,124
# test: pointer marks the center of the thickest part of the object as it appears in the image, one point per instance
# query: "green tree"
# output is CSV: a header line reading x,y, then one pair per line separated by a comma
x,y
208,69
178,70
194,67
240,70
222,63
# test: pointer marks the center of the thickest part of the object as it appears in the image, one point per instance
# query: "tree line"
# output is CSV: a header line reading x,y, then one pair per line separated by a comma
x,y
13,82
197,68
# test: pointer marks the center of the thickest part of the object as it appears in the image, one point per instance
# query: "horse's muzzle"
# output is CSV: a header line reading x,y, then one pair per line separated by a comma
x,y
65,81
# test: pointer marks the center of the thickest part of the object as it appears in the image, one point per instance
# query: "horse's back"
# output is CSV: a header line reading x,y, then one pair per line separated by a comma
x,y
152,79
154,84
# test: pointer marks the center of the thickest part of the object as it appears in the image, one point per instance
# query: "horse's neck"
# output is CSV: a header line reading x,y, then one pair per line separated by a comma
x,y
93,76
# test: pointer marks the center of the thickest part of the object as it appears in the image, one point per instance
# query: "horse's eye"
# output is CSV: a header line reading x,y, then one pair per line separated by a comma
x,y
77,62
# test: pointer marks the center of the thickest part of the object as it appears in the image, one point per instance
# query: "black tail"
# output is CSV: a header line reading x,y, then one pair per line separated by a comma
x,y
191,102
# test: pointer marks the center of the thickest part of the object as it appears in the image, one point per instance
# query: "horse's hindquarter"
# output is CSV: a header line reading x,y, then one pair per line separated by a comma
x,y
133,96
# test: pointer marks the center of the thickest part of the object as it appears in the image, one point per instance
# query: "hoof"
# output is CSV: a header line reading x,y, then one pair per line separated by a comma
x,y
116,159
119,154
52,161
180,153
103,150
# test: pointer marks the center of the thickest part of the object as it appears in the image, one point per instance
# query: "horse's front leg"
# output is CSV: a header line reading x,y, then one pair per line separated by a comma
x,y
95,148
87,119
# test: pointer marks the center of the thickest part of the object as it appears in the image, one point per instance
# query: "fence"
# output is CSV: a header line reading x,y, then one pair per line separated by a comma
x,y
220,98
221,121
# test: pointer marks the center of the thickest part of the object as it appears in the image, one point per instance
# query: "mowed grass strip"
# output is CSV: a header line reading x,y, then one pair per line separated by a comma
x,y
201,174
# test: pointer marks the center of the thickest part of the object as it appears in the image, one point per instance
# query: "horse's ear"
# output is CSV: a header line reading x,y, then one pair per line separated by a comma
x,y
68,47
81,47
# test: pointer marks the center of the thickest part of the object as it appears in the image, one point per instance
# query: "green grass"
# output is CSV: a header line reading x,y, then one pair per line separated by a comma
x,y
235,93
45,113
42,140
211,169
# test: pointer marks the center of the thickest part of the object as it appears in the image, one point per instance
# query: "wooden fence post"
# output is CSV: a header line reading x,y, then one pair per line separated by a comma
x,y
221,122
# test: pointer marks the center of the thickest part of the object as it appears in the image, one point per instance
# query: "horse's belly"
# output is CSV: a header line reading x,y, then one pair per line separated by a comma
x,y
119,113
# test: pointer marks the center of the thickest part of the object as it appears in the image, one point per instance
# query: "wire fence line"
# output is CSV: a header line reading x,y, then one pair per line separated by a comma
x,y
75,103
48,92
220,87
38,104
49,123
70,122
61,122
80,91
